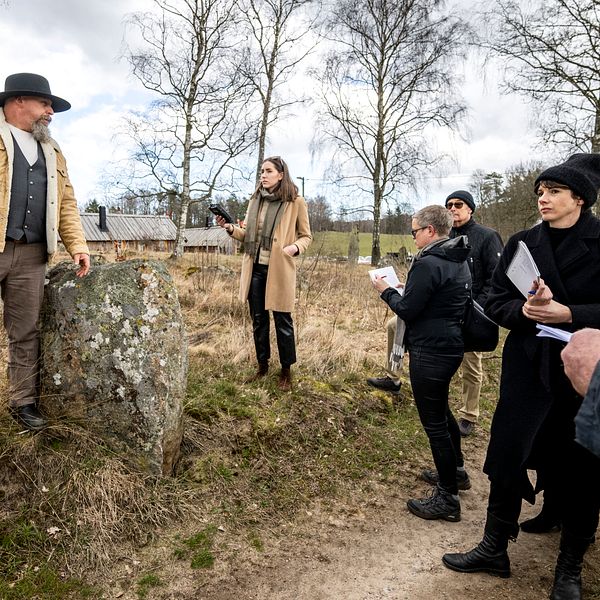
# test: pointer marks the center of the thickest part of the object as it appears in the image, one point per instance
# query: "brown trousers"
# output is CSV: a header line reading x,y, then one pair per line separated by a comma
x,y
22,273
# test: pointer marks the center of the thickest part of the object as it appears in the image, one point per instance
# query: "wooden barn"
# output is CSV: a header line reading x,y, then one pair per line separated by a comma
x,y
214,240
116,232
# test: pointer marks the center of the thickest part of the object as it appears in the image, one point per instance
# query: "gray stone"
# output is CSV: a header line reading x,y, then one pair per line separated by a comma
x,y
114,357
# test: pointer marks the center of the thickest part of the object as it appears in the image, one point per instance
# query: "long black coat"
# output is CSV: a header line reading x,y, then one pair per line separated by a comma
x,y
533,422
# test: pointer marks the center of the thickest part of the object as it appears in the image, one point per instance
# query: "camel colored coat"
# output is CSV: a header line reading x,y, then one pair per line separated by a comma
x,y
293,228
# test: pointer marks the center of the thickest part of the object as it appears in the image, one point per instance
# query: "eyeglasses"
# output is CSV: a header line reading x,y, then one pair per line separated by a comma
x,y
455,204
414,231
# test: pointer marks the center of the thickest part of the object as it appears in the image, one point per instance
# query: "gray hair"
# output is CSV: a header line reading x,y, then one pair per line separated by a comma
x,y
439,217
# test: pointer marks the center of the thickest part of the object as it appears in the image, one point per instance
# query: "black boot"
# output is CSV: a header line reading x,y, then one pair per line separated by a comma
x,y
567,575
548,520
30,417
261,371
284,383
490,555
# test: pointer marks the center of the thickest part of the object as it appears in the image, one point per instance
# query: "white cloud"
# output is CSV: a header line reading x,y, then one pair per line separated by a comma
x,y
77,45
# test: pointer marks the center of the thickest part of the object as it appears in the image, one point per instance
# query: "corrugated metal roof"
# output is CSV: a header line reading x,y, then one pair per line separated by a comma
x,y
206,236
128,228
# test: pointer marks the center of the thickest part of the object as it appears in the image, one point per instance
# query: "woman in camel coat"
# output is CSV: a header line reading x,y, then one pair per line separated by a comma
x,y
275,231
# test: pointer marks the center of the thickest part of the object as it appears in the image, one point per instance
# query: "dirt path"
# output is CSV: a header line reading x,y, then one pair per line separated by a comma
x,y
374,549
381,552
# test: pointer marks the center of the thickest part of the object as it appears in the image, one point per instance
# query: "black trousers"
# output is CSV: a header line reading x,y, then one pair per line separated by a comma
x,y
430,376
574,486
284,326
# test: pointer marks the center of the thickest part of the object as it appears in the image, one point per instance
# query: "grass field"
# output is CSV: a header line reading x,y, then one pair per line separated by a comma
x,y
335,243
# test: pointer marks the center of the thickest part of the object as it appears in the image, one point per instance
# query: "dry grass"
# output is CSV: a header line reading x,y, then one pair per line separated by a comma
x,y
251,454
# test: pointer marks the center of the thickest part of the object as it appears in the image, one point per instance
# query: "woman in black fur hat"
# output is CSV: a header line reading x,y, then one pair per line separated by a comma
x,y
533,426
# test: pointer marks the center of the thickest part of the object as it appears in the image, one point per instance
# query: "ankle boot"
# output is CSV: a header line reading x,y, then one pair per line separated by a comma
x,y
490,555
547,520
284,382
261,371
567,575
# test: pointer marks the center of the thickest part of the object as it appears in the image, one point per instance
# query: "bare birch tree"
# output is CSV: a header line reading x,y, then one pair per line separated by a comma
x,y
189,139
278,31
551,54
387,79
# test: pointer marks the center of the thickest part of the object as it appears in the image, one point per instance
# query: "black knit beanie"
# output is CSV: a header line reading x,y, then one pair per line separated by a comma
x,y
581,174
464,196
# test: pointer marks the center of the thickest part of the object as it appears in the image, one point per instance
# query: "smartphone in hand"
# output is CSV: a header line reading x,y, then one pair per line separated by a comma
x,y
218,210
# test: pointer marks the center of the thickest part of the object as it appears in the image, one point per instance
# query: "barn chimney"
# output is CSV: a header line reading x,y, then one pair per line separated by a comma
x,y
102,218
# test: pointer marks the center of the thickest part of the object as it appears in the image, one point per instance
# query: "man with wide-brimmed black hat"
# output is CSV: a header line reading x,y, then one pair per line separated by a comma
x,y
534,422
36,204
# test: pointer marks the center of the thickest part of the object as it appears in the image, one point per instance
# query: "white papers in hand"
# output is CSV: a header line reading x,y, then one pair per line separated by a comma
x,y
522,270
388,274
553,332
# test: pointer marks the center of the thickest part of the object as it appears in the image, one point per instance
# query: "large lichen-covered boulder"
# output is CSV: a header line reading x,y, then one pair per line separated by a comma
x,y
114,357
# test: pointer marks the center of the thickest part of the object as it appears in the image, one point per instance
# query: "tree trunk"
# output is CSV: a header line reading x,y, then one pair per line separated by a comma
x,y
377,172
376,244
596,136
264,123
596,148
262,138
180,236
185,191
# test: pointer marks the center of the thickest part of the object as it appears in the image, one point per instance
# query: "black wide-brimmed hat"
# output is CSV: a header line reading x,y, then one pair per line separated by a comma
x,y
30,84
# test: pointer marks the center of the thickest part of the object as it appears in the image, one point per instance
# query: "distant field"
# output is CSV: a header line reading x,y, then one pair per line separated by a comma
x,y
335,243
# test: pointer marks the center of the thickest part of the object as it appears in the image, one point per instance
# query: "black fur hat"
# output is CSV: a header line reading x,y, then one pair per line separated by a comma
x,y
581,174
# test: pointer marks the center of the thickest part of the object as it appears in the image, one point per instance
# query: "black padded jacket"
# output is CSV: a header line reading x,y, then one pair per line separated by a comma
x,y
437,287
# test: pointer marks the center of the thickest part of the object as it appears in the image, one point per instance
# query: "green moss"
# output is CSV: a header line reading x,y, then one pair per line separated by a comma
x,y
146,582
198,548
44,584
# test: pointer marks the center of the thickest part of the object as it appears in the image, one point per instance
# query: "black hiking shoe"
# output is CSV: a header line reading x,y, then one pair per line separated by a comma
x,y
384,383
462,478
438,505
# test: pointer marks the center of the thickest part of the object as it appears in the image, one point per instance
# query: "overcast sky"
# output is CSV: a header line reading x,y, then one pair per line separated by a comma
x,y
77,46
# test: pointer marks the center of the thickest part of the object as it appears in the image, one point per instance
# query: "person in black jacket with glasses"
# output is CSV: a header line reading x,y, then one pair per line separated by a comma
x,y
432,307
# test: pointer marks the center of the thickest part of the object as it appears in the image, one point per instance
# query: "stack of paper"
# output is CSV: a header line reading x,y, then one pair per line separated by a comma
x,y
554,333
522,270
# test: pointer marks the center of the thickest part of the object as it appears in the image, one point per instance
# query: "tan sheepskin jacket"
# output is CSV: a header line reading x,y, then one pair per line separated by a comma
x,y
62,214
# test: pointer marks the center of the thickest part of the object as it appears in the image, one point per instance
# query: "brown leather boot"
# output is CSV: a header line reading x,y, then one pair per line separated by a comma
x,y
285,379
263,369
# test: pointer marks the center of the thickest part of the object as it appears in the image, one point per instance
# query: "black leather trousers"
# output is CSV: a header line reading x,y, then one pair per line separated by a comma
x,y
284,326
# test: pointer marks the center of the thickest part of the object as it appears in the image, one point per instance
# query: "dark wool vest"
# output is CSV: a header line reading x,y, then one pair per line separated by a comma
x,y
27,213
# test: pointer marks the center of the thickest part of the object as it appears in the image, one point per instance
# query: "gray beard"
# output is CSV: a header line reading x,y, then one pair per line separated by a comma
x,y
40,132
